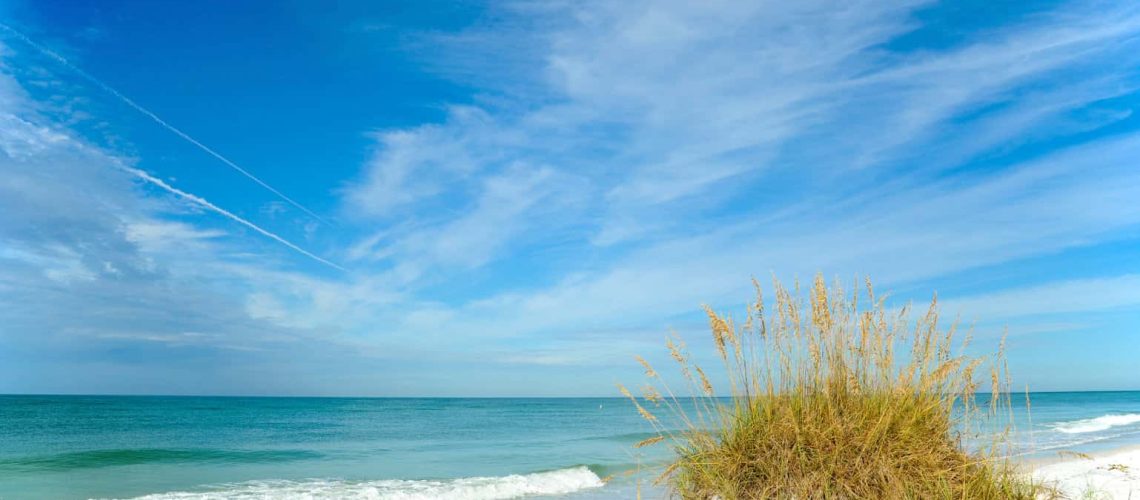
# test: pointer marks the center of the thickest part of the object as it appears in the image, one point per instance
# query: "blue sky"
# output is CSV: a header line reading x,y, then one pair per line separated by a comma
x,y
515,198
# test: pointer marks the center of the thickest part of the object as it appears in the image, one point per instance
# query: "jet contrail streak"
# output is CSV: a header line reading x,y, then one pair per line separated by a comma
x,y
202,202
107,88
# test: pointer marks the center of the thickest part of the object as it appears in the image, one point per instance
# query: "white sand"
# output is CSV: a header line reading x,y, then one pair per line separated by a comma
x,y
1111,475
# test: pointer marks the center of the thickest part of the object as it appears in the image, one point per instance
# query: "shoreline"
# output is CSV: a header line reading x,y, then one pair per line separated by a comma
x,y
1109,474
1036,460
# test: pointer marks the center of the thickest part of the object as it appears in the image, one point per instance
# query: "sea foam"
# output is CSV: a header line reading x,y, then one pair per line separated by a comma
x,y
1097,424
557,482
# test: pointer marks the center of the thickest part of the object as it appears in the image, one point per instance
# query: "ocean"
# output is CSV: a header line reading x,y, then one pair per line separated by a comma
x,y
63,447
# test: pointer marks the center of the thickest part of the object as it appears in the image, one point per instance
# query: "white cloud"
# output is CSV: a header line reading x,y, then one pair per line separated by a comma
x,y
410,166
1055,298
692,126
674,113
660,156
101,276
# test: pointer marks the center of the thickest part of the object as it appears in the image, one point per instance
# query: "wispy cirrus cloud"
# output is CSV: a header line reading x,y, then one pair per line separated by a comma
x,y
1056,298
622,164
55,56
674,113
107,285
714,143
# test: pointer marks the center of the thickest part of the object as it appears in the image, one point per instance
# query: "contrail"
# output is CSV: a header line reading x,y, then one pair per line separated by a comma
x,y
107,88
202,202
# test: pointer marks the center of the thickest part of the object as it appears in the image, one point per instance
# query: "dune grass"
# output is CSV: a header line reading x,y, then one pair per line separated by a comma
x,y
834,396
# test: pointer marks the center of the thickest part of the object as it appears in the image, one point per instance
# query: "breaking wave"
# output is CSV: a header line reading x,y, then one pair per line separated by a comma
x,y
1097,424
557,482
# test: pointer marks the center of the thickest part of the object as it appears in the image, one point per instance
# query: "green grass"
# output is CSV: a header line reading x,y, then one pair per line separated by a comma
x,y
834,396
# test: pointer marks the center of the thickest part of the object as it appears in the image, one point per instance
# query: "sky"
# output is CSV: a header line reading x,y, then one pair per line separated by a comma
x,y
515,198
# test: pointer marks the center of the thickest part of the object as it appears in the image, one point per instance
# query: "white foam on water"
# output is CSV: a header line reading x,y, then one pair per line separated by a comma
x,y
558,482
1097,424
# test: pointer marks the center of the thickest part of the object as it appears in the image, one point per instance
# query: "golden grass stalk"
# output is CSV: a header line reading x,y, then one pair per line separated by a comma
x,y
834,396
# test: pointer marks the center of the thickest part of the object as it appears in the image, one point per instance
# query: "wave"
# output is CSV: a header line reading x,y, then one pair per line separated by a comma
x,y
556,482
631,437
134,456
1101,423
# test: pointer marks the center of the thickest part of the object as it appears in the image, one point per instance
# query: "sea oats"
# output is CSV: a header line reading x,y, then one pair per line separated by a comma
x,y
821,406
649,371
649,442
705,384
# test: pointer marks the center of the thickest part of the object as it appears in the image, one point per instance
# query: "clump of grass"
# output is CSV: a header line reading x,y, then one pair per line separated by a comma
x,y
834,396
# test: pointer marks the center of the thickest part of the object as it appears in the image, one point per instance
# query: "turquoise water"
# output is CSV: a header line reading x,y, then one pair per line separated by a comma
x,y
206,447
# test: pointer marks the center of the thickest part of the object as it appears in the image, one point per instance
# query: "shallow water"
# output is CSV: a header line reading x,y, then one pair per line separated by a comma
x,y
1076,421
209,447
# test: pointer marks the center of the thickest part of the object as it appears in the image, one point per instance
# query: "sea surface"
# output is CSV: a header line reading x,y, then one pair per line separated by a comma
x,y
62,447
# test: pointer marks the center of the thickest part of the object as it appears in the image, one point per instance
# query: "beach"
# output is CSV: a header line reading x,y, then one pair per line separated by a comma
x,y
1092,457
1111,474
